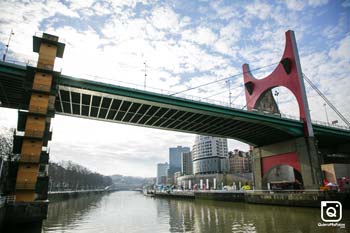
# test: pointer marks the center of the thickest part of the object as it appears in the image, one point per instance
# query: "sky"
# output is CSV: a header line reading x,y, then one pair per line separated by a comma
x,y
179,45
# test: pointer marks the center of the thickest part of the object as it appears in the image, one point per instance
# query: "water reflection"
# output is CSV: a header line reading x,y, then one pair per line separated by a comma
x,y
70,213
132,212
206,216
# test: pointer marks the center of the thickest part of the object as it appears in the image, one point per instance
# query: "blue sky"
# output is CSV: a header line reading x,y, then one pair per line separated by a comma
x,y
184,44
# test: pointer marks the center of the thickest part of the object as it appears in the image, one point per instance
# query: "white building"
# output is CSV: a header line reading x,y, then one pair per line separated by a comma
x,y
162,170
210,155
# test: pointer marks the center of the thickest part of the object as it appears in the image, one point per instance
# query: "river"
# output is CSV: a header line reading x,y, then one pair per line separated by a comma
x,y
128,211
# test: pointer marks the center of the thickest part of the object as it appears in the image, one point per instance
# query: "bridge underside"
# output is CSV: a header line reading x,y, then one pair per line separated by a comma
x,y
100,101
121,109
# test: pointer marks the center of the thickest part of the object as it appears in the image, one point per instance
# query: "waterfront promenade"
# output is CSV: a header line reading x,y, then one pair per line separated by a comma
x,y
299,198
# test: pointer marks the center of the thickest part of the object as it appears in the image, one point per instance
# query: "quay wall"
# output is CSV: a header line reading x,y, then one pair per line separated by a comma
x,y
297,199
185,195
220,196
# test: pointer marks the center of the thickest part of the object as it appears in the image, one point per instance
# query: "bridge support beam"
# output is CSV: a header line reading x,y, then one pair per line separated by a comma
x,y
300,153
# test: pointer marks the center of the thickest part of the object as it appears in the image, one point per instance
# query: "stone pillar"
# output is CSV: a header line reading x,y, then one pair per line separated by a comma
x,y
256,169
310,162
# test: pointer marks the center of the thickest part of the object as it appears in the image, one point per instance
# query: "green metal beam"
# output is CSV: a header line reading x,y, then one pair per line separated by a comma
x,y
138,107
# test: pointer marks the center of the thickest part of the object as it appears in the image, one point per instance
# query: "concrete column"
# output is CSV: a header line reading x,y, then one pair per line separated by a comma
x,y
257,169
310,162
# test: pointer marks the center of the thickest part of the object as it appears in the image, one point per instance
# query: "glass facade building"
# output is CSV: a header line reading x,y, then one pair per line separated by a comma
x,y
162,170
175,160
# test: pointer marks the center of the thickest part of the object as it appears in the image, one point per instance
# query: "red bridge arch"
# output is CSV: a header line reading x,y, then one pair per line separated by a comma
x,y
287,74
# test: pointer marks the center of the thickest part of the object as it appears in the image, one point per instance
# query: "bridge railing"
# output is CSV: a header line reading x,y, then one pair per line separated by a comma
x,y
27,60
330,125
7,199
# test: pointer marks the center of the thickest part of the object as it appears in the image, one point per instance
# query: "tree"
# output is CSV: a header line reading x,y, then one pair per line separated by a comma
x,y
6,142
69,175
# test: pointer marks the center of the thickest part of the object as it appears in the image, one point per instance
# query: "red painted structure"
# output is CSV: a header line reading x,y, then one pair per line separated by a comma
x,y
290,159
287,74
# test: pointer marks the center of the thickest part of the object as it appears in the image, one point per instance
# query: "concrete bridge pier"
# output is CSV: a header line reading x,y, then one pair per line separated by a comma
x,y
300,156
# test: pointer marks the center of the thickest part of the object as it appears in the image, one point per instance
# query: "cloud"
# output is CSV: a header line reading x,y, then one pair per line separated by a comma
x,y
346,3
201,35
315,3
258,9
342,51
164,18
297,5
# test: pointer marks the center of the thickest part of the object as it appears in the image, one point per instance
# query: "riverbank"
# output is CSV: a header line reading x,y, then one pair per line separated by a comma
x,y
58,195
305,198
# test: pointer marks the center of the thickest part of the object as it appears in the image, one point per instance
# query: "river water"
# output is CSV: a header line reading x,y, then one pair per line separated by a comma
x,y
128,212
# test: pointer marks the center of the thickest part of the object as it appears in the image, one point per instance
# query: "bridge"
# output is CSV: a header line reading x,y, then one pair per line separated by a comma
x,y
39,92
101,101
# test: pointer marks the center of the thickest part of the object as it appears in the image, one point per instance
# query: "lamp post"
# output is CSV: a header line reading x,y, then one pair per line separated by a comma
x,y
276,94
325,110
7,46
144,84
229,92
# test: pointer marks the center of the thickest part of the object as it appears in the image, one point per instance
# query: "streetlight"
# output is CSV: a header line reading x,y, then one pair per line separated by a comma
x,y
276,94
325,110
144,84
229,92
7,46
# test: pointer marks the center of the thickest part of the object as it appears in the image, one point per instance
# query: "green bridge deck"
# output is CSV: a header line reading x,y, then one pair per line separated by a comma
x,y
101,101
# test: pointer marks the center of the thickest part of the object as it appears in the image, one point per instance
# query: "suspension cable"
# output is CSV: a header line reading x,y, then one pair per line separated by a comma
x,y
326,100
223,92
232,76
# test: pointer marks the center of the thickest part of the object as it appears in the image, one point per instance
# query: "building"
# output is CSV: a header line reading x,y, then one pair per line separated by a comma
x,y
175,160
162,170
163,180
239,162
210,155
186,163
176,176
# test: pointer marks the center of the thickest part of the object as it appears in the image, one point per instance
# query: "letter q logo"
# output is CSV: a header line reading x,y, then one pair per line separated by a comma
x,y
331,211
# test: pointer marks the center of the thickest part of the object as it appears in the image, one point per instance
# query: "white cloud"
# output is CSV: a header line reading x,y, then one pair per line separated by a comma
x,y
343,50
74,5
201,35
317,2
297,5
258,9
164,18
